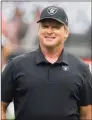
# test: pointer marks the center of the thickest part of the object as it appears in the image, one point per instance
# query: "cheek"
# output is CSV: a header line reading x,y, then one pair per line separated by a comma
x,y
41,34
61,34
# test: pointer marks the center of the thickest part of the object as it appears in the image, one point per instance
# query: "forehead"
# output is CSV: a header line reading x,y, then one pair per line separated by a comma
x,y
51,22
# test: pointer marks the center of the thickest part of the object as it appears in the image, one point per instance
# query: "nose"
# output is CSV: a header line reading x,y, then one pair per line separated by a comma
x,y
49,30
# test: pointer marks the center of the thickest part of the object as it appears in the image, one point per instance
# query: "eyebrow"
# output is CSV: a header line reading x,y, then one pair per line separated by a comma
x,y
53,25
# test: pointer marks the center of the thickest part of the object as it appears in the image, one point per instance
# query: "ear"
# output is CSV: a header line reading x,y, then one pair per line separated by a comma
x,y
66,32
38,29
38,32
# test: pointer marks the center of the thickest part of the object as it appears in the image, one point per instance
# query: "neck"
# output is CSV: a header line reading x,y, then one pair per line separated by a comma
x,y
51,54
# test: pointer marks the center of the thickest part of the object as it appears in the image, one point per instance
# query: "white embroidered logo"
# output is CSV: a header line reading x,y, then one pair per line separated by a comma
x,y
52,10
65,68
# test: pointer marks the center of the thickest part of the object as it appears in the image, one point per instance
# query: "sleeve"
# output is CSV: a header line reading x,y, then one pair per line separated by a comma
x,y
86,94
6,83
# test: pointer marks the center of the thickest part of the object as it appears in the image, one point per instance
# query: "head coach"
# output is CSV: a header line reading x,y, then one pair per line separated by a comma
x,y
49,83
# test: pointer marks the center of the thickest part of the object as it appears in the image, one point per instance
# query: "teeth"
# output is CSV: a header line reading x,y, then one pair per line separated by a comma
x,y
50,37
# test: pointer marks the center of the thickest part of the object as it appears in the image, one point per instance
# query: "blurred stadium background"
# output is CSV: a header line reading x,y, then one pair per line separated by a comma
x,y
19,30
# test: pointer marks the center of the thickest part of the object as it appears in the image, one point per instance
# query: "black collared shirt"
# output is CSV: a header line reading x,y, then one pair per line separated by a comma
x,y
46,91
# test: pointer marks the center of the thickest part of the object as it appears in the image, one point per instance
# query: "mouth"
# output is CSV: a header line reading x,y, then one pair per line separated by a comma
x,y
50,38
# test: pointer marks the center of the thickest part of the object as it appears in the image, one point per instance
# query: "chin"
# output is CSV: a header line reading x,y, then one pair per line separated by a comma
x,y
49,45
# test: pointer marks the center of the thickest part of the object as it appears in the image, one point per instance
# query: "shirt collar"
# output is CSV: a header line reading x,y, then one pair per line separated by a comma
x,y
63,57
41,59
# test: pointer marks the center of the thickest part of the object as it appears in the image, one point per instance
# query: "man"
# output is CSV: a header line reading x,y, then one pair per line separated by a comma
x,y
49,83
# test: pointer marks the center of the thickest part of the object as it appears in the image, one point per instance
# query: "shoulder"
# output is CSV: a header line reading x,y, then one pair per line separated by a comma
x,y
25,56
76,61
20,60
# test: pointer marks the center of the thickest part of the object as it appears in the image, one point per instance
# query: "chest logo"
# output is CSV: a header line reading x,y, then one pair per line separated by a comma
x,y
65,68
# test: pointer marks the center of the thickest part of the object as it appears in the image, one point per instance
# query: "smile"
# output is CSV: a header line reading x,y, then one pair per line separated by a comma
x,y
50,37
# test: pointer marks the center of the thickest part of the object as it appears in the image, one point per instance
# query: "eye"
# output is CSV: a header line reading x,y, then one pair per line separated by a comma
x,y
56,27
44,26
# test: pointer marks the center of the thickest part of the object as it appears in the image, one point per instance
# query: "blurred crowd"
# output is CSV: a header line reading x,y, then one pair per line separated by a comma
x,y
14,32
19,28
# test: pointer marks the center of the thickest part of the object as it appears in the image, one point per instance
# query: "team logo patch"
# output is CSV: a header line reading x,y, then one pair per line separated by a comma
x,y
52,10
65,68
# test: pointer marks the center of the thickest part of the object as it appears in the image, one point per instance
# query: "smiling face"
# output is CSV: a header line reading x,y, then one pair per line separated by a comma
x,y
52,33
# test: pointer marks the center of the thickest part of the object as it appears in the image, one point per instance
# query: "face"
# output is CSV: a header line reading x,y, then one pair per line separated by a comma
x,y
52,33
